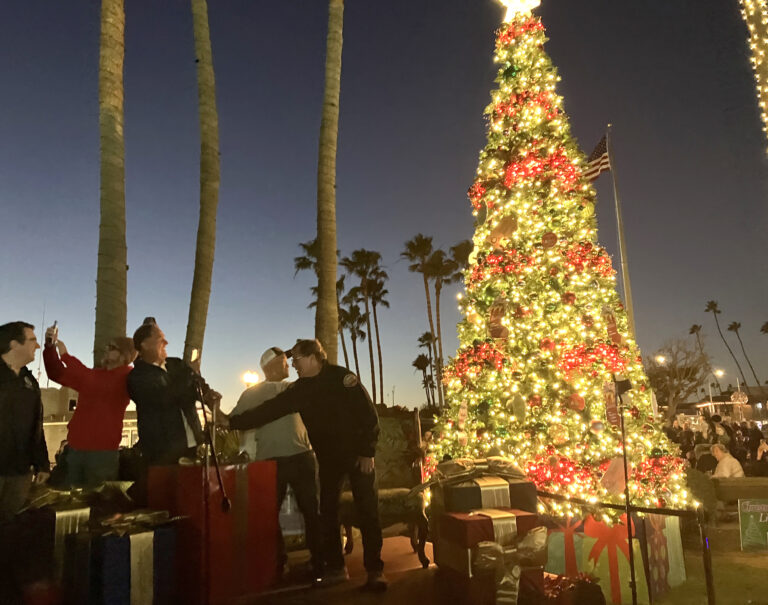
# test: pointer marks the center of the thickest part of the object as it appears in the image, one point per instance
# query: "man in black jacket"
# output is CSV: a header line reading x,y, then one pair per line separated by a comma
x,y
166,394
22,442
343,428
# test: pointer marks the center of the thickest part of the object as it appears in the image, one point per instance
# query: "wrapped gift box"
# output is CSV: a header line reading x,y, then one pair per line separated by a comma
x,y
38,538
109,569
467,529
490,492
601,550
221,555
460,534
663,554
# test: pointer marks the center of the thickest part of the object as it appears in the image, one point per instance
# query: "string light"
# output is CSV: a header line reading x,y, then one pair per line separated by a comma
x,y
756,17
544,328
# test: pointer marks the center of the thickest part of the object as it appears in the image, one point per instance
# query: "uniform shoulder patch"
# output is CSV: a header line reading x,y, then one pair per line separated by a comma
x,y
350,380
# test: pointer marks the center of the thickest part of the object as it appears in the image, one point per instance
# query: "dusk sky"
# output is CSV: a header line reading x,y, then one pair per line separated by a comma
x,y
673,77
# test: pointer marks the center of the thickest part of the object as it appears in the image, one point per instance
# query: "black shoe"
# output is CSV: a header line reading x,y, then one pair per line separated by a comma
x,y
332,577
376,582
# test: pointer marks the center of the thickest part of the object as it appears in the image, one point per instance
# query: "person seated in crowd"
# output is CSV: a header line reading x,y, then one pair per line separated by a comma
x,y
705,461
686,439
96,428
758,467
286,442
165,390
754,437
727,465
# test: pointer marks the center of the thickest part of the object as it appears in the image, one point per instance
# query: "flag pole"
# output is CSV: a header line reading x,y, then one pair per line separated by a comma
x,y
622,242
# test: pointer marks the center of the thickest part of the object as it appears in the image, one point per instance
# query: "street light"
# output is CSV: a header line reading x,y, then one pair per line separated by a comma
x,y
251,378
719,373
661,360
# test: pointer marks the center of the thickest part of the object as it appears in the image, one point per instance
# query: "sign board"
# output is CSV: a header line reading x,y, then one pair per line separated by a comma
x,y
753,524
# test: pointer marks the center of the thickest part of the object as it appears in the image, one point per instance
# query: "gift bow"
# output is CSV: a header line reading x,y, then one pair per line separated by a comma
x,y
611,539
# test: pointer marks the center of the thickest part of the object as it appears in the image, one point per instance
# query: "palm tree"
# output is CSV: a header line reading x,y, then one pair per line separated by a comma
x,y
355,322
439,268
366,265
422,363
377,293
417,251
308,261
734,327
326,316
713,308
209,182
427,341
339,292
112,267
695,330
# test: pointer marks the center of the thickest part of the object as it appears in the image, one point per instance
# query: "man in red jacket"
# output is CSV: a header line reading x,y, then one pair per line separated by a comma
x,y
96,428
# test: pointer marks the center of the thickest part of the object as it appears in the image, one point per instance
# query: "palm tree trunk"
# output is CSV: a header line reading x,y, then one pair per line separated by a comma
x,y
326,314
209,182
736,361
354,352
439,364
757,380
378,349
112,267
344,347
370,345
432,331
426,385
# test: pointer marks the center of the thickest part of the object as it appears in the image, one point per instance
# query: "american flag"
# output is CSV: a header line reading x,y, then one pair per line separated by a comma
x,y
598,161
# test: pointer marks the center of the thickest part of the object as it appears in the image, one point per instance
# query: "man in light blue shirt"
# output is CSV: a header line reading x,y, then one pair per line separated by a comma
x,y
285,441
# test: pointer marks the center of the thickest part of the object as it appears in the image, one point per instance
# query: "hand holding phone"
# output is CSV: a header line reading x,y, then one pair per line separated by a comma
x,y
52,334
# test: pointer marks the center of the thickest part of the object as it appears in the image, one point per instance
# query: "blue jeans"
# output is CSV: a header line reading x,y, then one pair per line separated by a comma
x,y
91,468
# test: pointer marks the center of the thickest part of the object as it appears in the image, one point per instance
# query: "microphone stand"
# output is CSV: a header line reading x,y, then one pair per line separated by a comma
x,y
226,505
628,505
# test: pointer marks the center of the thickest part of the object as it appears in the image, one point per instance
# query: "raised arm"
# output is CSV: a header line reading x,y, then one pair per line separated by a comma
x,y
69,375
287,402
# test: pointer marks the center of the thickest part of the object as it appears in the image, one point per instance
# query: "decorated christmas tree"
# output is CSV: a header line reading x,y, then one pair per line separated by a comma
x,y
544,340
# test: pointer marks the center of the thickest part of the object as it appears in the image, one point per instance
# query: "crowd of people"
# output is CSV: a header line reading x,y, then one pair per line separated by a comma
x,y
321,430
721,447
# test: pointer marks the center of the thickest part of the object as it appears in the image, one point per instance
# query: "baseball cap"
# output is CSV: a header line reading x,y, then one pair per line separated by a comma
x,y
271,353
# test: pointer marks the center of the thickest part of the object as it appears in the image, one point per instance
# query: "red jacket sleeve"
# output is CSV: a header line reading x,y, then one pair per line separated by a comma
x,y
70,375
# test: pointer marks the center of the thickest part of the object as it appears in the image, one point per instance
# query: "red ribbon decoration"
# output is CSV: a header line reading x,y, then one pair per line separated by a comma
x,y
612,539
571,527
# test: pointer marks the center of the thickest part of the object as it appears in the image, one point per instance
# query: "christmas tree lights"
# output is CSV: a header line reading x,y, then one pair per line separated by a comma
x,y
544,333
756,17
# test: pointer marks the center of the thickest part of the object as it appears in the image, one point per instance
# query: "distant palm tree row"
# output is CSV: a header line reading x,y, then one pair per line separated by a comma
x,y
441,269
735,326
364,266
358,307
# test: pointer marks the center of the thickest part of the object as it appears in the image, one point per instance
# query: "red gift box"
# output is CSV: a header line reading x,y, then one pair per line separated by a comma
x,y
467,529
241,544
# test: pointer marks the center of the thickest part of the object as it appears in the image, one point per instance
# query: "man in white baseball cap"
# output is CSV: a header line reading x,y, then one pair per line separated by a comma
x,y
285,440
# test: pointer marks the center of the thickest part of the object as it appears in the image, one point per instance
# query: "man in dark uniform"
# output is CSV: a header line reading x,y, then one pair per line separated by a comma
x,y
343,427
